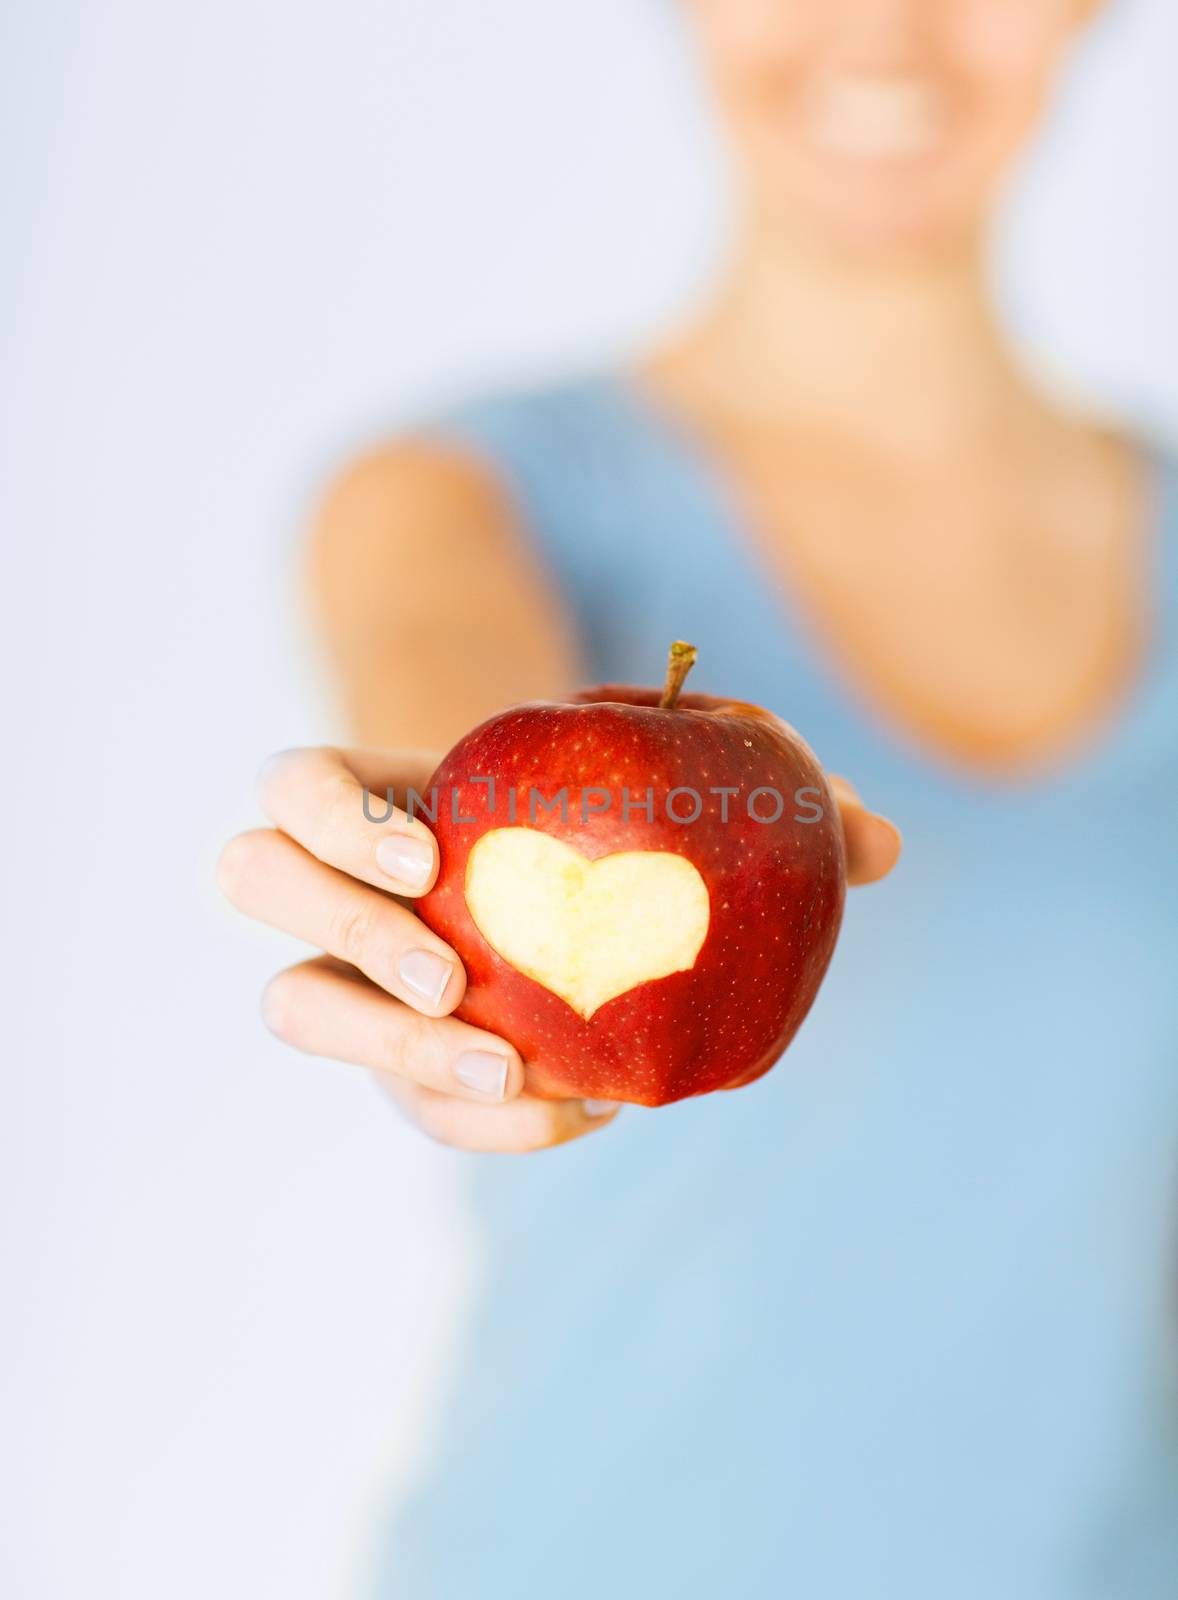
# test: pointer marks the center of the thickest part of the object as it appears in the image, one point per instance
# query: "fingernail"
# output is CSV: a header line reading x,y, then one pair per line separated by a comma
x,y
598,1108
483,1071
405,858
425,973
272,765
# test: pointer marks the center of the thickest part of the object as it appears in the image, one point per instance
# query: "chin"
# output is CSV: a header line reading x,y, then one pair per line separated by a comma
x,y
880,208
880,225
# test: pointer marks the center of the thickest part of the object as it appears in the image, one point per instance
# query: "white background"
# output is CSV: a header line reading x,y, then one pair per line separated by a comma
x,y
238,237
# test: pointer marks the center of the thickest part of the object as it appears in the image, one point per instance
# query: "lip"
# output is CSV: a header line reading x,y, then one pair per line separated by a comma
x,y
877,118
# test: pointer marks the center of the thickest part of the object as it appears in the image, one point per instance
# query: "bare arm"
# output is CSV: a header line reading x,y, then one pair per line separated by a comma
x,y
434,612
434,615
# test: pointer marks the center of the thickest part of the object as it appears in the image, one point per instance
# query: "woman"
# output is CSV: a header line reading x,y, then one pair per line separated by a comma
x,y
894,1321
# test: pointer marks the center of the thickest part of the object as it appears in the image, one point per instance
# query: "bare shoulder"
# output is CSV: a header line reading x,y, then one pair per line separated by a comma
x,y
421,575
407,499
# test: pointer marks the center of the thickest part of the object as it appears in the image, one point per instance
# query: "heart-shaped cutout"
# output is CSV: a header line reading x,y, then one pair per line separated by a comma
x,y
586,930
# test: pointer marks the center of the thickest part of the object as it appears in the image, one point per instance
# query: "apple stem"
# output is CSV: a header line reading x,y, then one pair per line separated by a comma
x,y
679,663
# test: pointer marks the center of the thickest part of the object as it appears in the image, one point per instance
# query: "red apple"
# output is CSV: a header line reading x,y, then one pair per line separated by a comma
x,y
645,888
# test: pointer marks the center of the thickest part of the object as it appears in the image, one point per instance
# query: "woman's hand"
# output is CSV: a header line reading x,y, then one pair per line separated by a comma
x,y
382,994
873,843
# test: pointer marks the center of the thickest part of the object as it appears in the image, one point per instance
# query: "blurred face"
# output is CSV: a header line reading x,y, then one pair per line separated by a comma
x,y
881,121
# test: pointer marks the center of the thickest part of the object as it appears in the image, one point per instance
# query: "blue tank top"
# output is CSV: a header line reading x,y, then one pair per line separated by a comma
x,y
896,1322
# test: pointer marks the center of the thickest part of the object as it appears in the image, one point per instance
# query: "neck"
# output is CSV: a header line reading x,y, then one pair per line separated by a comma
x,y
904,349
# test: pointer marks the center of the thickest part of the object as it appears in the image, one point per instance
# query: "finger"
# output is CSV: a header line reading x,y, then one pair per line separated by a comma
x,y
872,842
326,1009
336,804
271,878
523,1125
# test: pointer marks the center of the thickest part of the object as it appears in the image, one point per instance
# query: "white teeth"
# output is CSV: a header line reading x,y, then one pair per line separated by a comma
x,y
877,116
